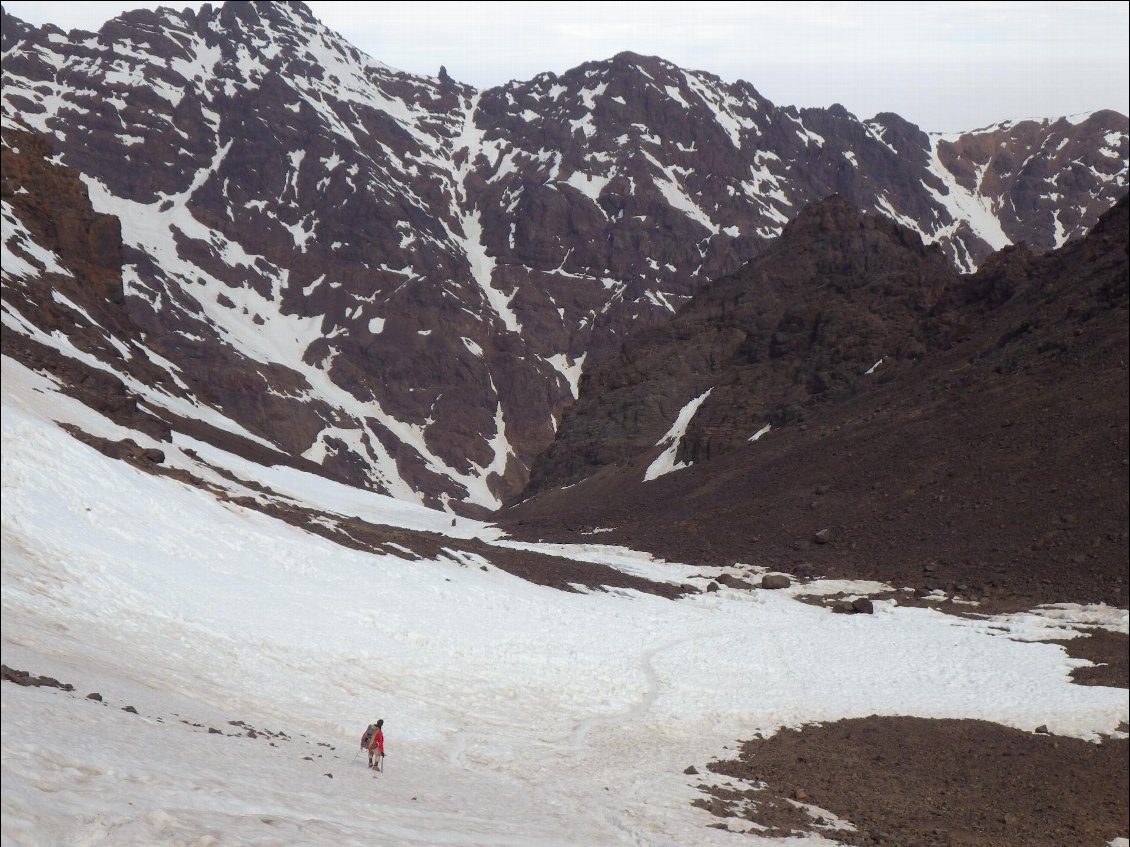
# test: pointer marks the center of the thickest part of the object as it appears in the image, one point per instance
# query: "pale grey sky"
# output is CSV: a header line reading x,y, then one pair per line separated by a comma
x,y
944,66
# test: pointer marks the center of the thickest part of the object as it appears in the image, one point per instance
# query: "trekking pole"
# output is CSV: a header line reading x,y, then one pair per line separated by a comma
x,y
355,755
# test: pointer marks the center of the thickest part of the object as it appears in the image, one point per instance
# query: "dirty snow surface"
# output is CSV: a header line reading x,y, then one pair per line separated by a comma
x,y
514,714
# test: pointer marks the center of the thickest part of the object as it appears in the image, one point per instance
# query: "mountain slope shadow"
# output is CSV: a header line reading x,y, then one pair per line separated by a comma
x,y
926,429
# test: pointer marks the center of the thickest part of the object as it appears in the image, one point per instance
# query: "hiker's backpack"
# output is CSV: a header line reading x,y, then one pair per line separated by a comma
x,y
368,736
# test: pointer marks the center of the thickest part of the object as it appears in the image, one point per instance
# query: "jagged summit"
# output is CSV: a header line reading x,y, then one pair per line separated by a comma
x,y
401,279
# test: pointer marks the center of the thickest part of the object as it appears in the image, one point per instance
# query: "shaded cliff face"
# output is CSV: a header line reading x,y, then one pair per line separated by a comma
x,y
791,330
63,265
930,430
400,279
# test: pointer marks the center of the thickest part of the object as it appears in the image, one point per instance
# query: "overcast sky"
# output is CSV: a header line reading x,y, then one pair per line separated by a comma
x,y
944,66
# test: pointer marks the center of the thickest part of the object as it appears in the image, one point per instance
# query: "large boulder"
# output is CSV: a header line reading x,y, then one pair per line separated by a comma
x,y
775,581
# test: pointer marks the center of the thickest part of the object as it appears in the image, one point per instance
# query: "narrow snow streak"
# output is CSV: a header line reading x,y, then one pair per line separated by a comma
x,y
761,432
482,269
964,205
472,141
665,462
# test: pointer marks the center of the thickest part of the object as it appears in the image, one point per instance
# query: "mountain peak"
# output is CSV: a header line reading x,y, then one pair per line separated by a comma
x,y
286,13
836,292
832,211
628,58
835,225
403,280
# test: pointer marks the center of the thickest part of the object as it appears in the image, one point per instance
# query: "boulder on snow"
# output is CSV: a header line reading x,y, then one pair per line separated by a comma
x,y
24,678
733,582
775,580
858,606
862,606
94,696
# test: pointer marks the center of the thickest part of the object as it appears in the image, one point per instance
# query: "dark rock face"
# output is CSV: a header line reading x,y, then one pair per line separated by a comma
x,y
63,273
793,329
399,279
1020,160
952,430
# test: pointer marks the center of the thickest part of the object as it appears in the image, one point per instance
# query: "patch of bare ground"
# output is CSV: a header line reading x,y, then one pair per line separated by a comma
x,y
1110,651
973,606
916,782
27,679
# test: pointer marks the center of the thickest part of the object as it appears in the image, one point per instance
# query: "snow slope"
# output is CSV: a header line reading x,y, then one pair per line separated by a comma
x,y
514,714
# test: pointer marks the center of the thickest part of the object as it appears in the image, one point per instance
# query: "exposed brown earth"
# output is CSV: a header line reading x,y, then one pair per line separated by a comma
x,y
913,782
1110,653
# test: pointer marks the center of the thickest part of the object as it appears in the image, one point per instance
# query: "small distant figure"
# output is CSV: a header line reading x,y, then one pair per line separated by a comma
x,y
453,521
374,741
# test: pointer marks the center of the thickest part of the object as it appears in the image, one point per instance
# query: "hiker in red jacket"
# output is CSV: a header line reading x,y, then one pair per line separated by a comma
x,y
376,746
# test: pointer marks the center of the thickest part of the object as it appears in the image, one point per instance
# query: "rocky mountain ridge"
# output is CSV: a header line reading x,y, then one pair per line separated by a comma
x,y
400,279
829,299
847,405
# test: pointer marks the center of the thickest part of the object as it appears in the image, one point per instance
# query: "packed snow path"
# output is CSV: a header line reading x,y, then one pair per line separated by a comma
x,y
515,714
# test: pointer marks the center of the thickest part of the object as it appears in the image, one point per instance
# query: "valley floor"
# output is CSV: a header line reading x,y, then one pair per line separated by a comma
x,y
515,713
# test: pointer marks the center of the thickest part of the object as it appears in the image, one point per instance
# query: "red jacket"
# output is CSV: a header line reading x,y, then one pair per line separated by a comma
x,y
377,742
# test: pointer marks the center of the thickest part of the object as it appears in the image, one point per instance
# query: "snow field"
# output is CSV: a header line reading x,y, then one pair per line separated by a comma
x,y
515,714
